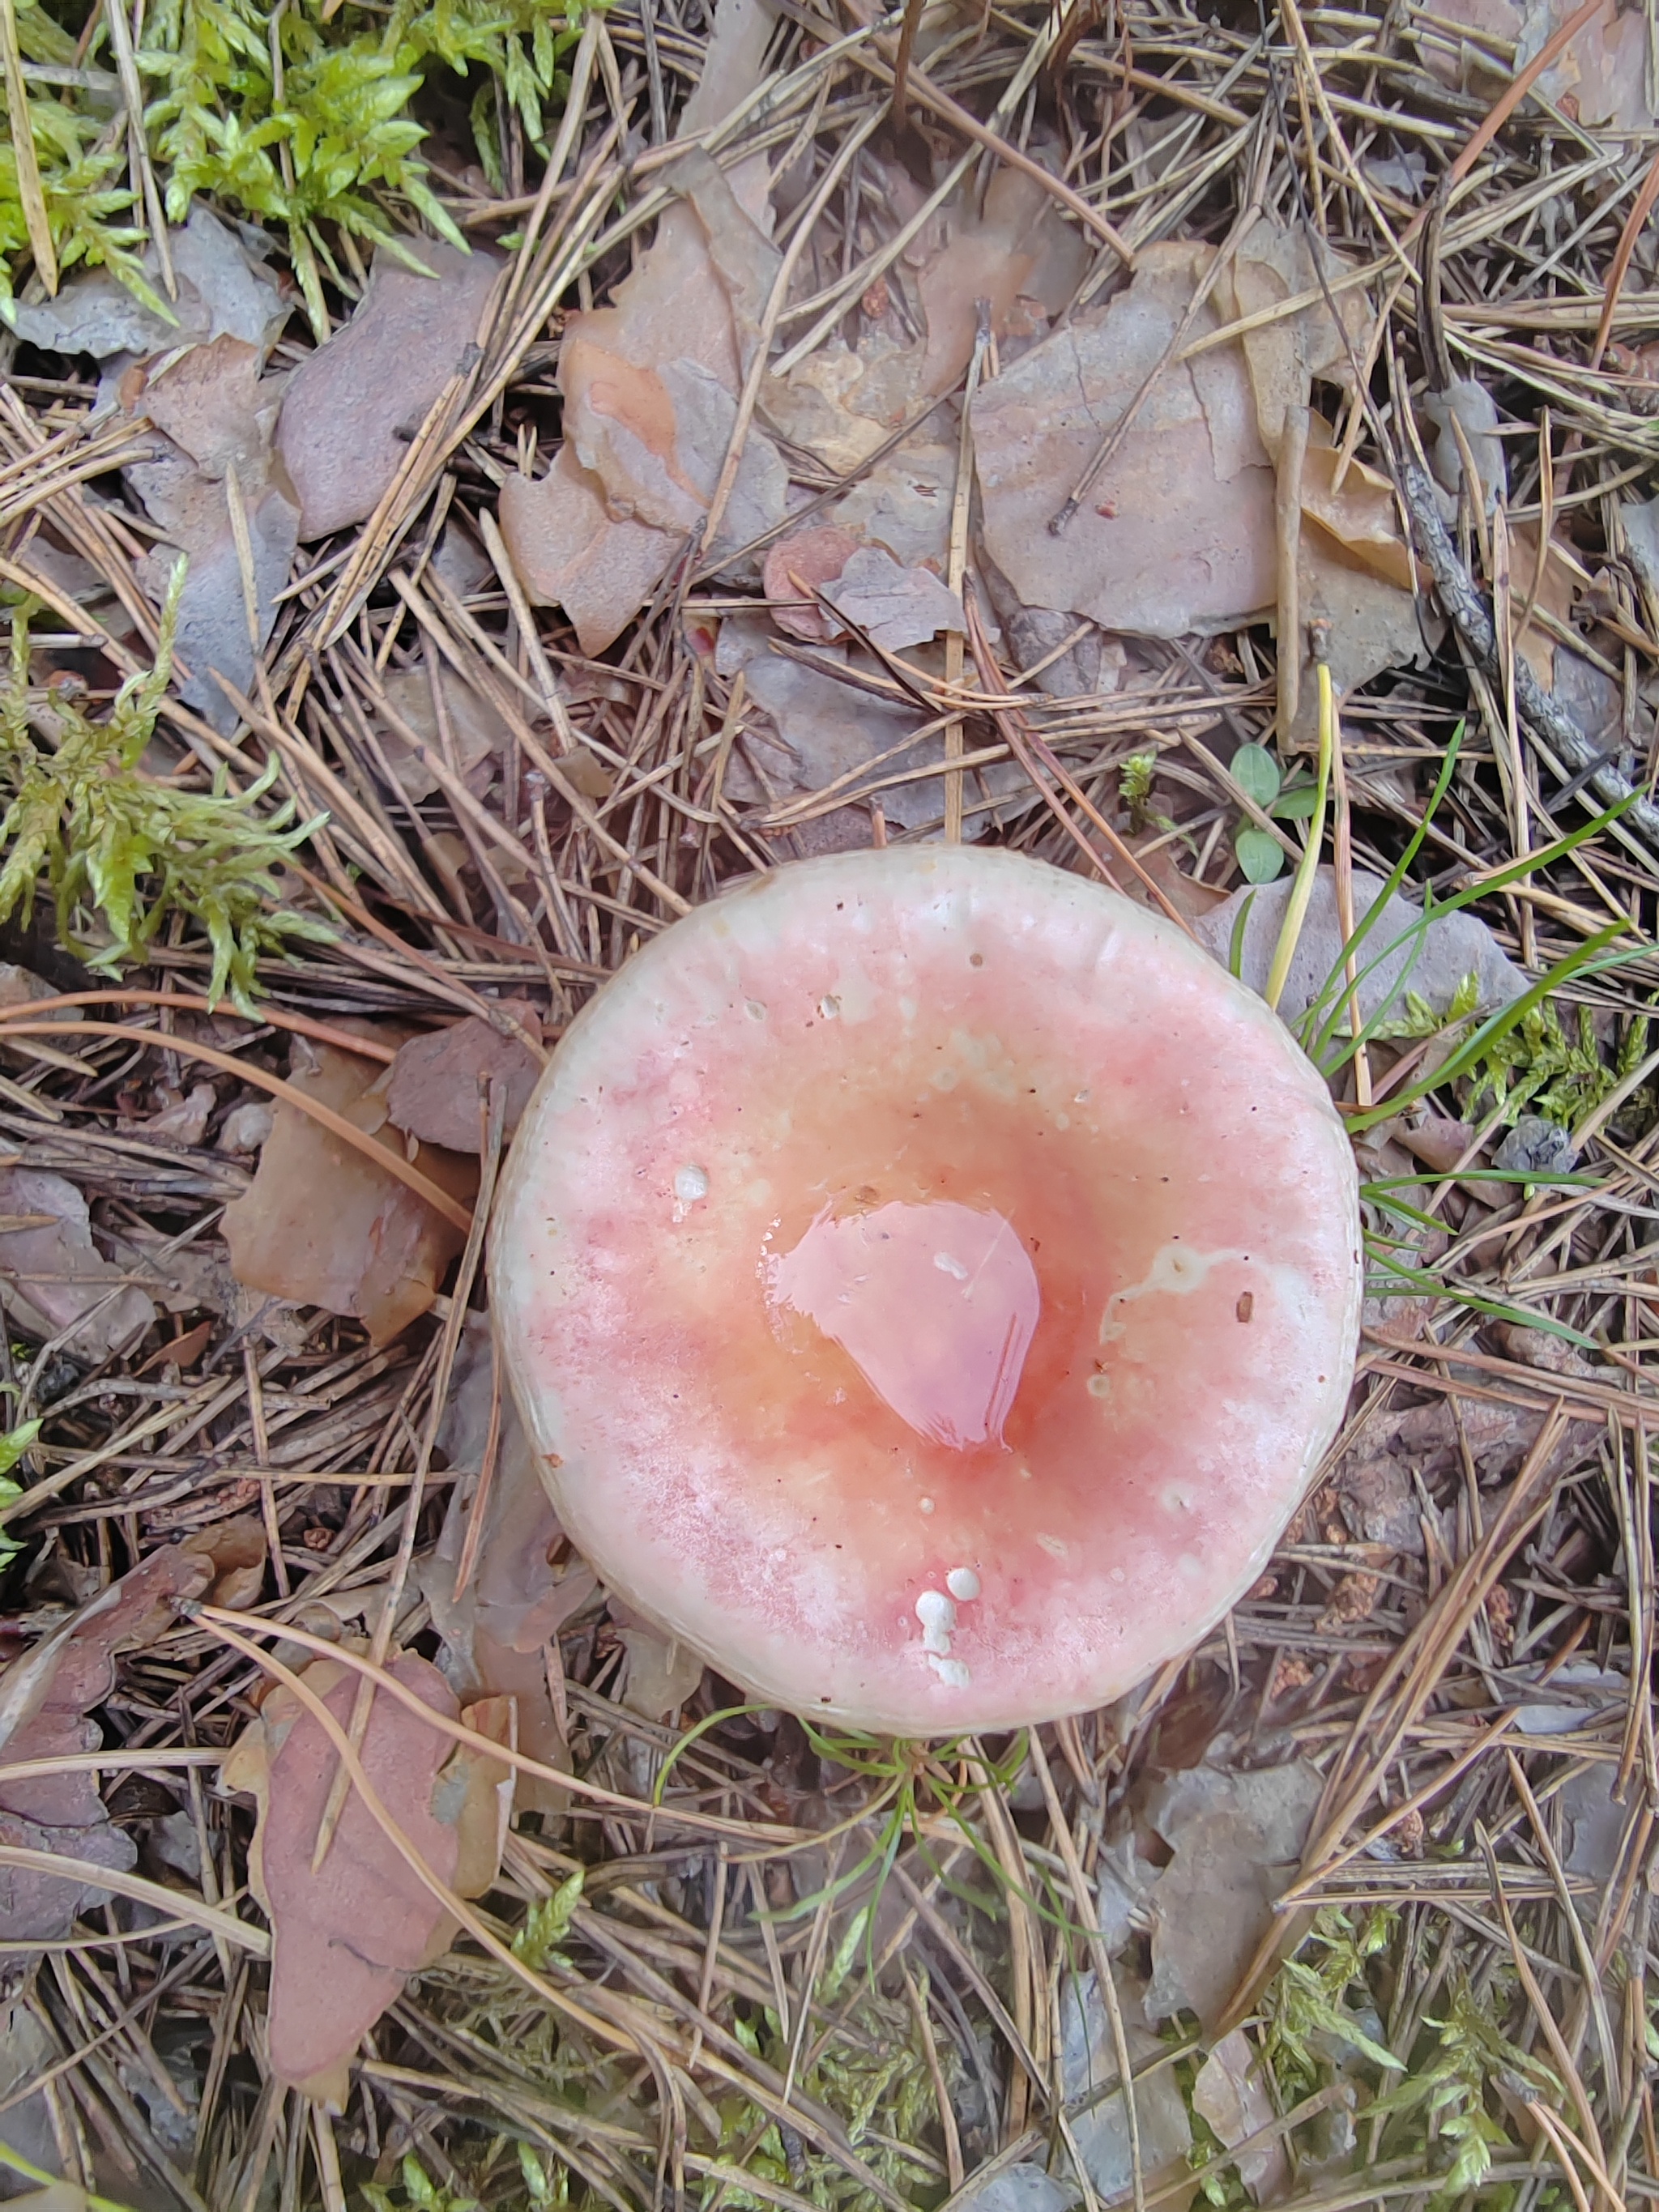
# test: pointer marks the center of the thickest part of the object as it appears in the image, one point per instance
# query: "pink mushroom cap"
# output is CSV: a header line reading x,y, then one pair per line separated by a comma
x,y
930,1282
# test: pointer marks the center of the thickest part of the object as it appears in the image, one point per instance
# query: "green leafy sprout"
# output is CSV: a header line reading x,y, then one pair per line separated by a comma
x,y
12,1449
110,839
1259,776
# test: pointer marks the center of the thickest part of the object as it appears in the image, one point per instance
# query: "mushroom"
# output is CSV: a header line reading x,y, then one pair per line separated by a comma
x,y
929,1282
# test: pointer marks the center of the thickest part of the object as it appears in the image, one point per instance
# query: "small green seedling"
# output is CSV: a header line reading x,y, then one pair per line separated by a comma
x,y
1258,775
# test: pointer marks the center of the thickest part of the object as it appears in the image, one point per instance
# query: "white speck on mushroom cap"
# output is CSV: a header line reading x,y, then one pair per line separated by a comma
x,y
691,1184
951,1672
963,1583
938,1617
948,1266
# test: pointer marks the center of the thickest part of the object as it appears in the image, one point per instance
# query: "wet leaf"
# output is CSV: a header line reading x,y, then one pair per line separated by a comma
x,y
353,405
322,1226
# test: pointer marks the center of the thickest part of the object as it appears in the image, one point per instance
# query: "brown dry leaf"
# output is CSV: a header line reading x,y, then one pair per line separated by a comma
x,y
1231,2097
1453,947
569,553
223,291
894,607
1176,533
1018,254
476,729
1162,863
1356,515
353,405
53,1282
1275,263
236,1553
794,566
496,1633
345,1938
650,385
21,987
216,415
183,1120
904,503
322,1226
1380,1505
1234,1839
661,1674
45,1697
1600,81
436,1080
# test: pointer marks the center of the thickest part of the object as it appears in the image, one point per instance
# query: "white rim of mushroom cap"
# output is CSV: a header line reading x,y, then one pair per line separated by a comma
x,y
927,1491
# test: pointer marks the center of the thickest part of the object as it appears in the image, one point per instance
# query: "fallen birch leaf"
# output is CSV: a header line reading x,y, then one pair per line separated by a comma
x,y
1018,255
476,729
1230,2096
1176,533
224,291
894,607
345,1939
353,405
46,1700
569,552
794,567
1600,80
53,1281
1454,947
1234,1839
435,1090
321,1225
215,416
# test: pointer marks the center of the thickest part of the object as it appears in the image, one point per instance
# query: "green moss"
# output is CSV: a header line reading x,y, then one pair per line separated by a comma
x,y
110,840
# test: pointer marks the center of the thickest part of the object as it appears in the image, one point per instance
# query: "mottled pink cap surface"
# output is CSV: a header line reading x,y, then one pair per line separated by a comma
x,y
930,1282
